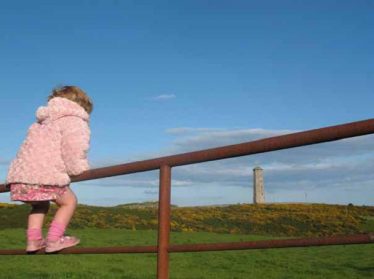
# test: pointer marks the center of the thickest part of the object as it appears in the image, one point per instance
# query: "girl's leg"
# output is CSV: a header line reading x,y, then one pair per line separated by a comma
x,y
67,204
34,226
36,219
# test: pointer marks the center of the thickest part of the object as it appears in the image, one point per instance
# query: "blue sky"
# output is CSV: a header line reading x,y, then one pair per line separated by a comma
x,y
168,77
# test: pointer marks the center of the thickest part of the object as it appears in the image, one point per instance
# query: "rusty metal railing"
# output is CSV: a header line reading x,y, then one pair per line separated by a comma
x,y
165,164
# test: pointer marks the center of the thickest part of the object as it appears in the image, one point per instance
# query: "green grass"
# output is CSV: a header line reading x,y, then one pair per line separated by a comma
x,y
351,261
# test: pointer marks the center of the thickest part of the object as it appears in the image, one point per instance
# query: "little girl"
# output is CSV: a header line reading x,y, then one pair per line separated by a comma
x,y
55,148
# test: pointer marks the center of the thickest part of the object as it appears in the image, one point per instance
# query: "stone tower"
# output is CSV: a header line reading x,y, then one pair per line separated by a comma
x,y
258,186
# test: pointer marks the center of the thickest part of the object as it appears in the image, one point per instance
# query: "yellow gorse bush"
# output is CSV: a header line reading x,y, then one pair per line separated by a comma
x,y
270,219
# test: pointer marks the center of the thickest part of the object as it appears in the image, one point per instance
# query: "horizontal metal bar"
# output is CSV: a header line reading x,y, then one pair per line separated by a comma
x,y
89,250
203,247
4,188
326,134
278,243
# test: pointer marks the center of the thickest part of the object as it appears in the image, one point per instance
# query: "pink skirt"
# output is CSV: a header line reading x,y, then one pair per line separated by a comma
x,y
31,192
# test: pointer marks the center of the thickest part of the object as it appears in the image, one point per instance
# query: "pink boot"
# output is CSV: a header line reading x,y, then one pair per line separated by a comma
x,y
62,243
34,245
35,240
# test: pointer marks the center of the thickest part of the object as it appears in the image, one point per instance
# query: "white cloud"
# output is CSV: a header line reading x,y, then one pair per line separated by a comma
x,y
190,139
186,130
204,132
164,97
141,180
327,167
326,172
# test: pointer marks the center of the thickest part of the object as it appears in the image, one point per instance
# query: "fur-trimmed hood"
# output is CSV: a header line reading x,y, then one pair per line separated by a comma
x,y
59,107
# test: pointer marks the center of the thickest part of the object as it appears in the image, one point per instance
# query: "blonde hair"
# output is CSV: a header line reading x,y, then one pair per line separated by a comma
x,y
75,94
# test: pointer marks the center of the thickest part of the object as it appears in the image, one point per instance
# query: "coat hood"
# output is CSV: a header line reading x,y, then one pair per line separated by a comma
x,y
59,107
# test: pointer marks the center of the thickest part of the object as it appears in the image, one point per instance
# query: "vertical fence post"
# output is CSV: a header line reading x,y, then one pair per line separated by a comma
x,y
163,223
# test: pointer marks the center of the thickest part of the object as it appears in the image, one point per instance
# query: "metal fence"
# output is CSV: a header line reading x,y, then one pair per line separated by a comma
x,y
165,164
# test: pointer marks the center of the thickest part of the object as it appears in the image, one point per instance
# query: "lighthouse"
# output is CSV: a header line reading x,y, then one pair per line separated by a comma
x,y
258,186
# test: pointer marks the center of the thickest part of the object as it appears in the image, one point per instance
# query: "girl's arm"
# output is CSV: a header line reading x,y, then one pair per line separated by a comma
x,y
75,144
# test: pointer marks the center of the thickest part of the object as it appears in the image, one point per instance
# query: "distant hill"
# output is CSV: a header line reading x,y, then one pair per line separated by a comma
x,y
151,204
269,219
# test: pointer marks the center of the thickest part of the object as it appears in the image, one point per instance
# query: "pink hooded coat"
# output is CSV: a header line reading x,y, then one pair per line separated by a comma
x,y
55,147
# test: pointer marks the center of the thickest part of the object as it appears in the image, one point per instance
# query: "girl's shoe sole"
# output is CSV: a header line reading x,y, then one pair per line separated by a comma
x,y
55,251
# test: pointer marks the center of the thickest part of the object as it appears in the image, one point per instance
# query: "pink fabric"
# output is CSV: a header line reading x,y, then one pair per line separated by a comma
x,y
34,234
56,230
55,147
26,192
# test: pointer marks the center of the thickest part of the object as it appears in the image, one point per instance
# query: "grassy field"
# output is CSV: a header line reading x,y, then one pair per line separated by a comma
x,y
136,224
351,261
